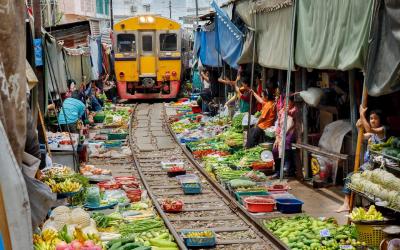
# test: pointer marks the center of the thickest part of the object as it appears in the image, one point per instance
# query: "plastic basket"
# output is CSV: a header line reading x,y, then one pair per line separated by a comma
x,y
200,241
191,188
258,204
289,206
117,136
113,144
372,235
99,118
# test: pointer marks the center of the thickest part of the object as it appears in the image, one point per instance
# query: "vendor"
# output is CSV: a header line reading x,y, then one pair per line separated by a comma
x,y
71,111
92,92
205,94
375,133
244,95
266,120
290,136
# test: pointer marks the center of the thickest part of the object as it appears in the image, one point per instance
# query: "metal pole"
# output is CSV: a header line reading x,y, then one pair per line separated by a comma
x,y
111,15
353,109
288,78
252,74
170,10
197,12
305,124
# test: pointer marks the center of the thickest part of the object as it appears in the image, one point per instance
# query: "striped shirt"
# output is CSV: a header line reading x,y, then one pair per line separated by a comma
x,y
73,109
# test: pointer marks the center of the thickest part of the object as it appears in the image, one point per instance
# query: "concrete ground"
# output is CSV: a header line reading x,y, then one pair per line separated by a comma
x,y
319,202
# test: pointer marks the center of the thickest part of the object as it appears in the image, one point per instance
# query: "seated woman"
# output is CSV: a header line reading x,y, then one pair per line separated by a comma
x,y
71,111
290,136
266,120
375,133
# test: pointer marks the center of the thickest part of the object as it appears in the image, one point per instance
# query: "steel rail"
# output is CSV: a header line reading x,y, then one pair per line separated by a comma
x,y
233,204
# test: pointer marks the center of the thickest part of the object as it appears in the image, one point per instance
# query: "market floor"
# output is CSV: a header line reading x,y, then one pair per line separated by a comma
x,y
321,202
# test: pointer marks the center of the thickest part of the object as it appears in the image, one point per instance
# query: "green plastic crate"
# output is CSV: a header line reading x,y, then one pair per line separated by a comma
x,y
99,118
239,195
117,136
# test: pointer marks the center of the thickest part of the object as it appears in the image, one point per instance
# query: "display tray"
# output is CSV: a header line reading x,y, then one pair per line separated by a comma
x,y
98,178
373,199
101,207
67,195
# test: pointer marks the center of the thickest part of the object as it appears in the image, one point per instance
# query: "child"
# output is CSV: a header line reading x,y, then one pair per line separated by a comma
x,y
375,133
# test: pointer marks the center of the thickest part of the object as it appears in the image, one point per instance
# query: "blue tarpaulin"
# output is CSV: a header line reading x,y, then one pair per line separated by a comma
x,y
229,39
208,54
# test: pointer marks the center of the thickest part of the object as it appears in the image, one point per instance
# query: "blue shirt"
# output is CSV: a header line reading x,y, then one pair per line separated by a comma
x,y
73,109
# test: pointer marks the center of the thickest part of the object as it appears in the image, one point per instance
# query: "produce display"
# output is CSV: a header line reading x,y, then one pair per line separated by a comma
x,y
379,184
305,232
89,170
63,180
360,214
118,118
391,147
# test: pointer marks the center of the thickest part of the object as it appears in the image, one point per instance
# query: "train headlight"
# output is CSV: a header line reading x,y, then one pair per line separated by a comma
x,y
142,19
121,74
150,19
173,73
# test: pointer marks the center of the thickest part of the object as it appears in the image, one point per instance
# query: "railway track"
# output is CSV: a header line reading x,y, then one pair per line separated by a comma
x,y
152,142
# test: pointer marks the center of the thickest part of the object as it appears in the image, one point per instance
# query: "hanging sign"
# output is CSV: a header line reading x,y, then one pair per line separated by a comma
x,y
38,51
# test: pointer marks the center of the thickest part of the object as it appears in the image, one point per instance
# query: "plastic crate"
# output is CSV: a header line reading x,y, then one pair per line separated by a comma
x,y
186,140
191,188
117,136
196,109
372,235
176,173
99,118
113,144
259,204
199,241
289,206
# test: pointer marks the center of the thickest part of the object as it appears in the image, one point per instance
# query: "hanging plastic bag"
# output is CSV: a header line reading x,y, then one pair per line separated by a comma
x,y
30,165
312,96
41,199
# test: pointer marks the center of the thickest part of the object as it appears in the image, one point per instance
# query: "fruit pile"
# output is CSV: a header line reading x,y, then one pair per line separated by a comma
x,y
359,214
199,234
63,187
305,232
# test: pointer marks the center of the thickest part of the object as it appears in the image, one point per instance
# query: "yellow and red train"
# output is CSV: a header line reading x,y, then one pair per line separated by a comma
x,y
148,57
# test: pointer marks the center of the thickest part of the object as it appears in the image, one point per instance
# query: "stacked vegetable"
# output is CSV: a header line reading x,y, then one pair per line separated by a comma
x,y
305,232
359,214
378,183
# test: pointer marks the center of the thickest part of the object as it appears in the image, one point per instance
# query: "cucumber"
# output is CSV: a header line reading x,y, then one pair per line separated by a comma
x,y
143,248
130,246
115,246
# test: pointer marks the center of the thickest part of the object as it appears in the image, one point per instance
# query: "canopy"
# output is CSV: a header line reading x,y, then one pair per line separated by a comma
x,y
229,38
382,74
332,34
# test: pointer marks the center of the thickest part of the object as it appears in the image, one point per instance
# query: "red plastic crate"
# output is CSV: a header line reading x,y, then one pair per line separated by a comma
x,y
196,109
257,204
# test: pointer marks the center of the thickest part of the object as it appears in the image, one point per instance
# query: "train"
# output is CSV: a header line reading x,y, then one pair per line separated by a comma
x,y
149,57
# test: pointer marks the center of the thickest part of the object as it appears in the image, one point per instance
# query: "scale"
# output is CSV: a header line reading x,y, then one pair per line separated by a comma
x,y
267,156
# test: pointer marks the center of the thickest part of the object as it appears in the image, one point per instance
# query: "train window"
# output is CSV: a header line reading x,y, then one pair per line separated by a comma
x,y
126,43
168,42
147,43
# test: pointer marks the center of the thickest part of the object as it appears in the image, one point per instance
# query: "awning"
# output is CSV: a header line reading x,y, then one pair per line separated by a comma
x,y
382,74
332,34
273,25
229,38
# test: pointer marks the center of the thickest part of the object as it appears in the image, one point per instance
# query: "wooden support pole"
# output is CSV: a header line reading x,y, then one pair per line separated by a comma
x,y
359,144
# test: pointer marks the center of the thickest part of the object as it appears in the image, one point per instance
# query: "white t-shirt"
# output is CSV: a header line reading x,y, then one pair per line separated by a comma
x,y
206,84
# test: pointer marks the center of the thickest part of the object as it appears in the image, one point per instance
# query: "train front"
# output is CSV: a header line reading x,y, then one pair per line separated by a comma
x,y
147,57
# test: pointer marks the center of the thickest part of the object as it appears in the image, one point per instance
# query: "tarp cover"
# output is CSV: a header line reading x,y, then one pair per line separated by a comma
x,y
229,38
273,25
332,34
382,74
208,54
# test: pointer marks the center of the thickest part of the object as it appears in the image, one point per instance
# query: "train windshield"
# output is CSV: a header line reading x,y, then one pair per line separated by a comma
x,y
126,43
168,42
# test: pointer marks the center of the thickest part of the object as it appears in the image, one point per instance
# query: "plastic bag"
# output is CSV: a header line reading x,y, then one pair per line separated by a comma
x,y
41,199
312,96
30,165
